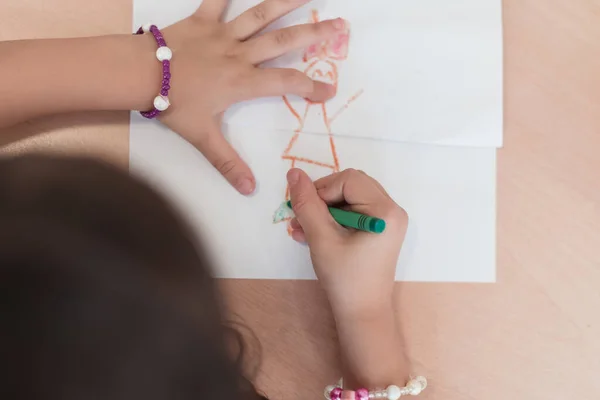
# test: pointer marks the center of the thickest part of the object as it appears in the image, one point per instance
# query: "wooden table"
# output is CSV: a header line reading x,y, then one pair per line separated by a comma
x,y
533,335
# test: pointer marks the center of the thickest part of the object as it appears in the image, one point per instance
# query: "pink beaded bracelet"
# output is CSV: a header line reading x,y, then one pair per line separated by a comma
x,y
414,387
164,55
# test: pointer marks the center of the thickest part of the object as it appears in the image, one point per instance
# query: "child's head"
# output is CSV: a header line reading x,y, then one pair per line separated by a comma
x,y
323,71
103,291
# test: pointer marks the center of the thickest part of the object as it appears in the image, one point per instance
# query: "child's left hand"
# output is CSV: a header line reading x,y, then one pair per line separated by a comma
x,y
215,65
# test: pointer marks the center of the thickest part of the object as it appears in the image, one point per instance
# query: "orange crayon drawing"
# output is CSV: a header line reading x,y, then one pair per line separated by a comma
x,y
303,149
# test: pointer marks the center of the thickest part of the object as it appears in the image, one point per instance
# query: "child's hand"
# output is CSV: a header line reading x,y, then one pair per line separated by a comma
x,y
215,65
357,269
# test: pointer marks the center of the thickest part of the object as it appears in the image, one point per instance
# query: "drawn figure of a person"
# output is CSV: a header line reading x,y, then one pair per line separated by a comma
x,y
315,152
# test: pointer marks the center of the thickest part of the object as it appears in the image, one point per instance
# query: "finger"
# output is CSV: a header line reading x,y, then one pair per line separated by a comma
x,y
258,17
217,150
299,236
362,194
294,224
352,187
376,182
212,9
297,232
311,212
282,81
274,44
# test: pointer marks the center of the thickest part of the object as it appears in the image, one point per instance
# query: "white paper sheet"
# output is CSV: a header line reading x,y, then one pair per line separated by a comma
x,y
449,193
430,70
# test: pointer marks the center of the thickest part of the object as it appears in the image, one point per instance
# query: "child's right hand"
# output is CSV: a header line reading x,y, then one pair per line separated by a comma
x,y
356,269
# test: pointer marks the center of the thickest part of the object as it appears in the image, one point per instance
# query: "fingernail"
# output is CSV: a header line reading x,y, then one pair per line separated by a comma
x,y
293,176
246,187
339,24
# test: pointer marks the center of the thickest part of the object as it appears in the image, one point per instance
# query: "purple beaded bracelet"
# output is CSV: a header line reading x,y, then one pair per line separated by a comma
x,y
164,55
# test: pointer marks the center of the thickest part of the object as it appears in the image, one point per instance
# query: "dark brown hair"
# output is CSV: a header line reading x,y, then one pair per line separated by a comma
x,y
104,293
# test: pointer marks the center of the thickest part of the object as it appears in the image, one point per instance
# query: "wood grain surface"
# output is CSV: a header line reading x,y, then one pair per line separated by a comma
x,y
533,335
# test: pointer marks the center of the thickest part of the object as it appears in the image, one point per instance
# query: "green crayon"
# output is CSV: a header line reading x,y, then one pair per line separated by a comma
x,y
355,220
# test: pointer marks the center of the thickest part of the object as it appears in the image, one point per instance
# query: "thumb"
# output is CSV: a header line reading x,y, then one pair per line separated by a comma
x,y
219,152
310,210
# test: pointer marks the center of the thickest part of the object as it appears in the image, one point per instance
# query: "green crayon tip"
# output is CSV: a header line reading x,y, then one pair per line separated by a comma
x,y
354,220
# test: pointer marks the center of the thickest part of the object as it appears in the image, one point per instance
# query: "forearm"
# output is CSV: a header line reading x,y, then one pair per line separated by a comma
x,y
372,351
51,76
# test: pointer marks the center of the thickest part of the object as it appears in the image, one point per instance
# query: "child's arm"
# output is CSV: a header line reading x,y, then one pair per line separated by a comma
x,y
215,64
372,347
53,76
357,270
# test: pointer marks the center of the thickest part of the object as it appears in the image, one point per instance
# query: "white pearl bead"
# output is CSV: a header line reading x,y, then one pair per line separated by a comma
x,y
393,392
164,53
415,388
422,380
417,385
161,103
379,395
327,391
146,27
